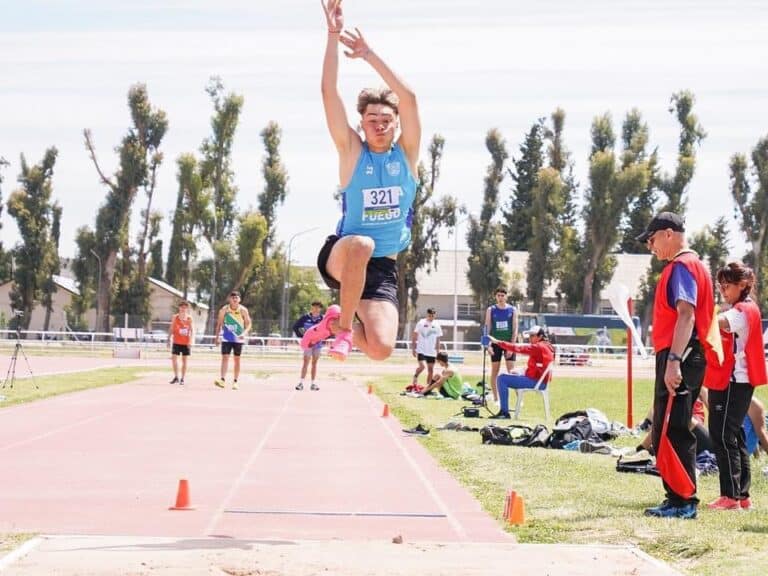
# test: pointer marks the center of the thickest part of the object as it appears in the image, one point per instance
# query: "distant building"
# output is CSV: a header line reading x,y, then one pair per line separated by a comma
x,y
62,298
448,283
163,299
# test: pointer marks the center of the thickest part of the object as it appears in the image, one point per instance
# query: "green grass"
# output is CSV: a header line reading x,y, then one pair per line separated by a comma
x,y
580,498
24,389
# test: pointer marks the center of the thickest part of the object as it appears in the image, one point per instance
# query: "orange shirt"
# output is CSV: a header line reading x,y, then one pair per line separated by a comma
x,y
181,330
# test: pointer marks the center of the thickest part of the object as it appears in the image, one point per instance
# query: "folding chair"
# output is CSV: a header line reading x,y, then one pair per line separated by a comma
x,y
542,387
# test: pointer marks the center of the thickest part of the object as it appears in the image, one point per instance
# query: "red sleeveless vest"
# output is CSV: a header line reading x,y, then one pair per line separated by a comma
x,y
719,377
665,316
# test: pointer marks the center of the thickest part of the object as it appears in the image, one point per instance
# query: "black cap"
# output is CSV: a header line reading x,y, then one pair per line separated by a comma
x,y
662,221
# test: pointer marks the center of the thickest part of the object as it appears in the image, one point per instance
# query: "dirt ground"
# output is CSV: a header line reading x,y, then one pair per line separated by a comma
x,y
103,555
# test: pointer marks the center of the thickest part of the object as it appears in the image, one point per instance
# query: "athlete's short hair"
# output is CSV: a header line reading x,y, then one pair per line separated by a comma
x,y
383,96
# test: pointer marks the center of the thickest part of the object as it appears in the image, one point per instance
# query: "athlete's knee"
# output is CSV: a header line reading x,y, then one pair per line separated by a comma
x,y
380,350
360,247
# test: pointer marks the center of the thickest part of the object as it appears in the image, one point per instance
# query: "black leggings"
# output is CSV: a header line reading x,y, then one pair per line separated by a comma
x,y
679,432
727,409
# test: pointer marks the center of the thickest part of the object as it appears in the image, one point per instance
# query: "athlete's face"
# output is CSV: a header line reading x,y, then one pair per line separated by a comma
x,y
501,298
379,123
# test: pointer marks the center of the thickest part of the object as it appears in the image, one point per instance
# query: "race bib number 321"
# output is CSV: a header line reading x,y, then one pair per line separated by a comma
x,y
381,204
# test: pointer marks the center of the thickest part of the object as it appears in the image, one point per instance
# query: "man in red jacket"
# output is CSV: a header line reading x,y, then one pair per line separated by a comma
x,y
540,354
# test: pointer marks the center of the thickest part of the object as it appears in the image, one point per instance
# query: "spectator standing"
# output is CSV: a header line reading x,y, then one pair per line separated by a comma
x,y
731,385
501,323
232,327
312,354
181,335
425,344
683,312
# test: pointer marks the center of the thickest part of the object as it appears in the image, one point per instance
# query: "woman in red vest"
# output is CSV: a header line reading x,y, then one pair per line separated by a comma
x,y
731,386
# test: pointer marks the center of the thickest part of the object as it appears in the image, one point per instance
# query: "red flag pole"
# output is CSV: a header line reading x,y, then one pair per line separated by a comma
x,y
629,366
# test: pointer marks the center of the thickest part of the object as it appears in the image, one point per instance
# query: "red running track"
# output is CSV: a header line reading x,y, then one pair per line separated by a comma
x,y
262,462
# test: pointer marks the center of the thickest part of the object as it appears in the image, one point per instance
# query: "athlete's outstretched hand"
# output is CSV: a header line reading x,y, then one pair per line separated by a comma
x,y
334,17
358,47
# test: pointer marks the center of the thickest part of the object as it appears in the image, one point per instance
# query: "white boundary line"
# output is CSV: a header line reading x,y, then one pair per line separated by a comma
x,y
215,518
20,551
452,520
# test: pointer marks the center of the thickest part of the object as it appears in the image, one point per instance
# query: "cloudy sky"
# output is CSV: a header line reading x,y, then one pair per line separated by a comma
x,y
67,65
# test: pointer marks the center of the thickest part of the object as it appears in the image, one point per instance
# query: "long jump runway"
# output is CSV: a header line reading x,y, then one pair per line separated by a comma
x,y
262,462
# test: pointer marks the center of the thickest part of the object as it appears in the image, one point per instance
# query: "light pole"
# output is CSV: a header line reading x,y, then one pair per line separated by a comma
x,y
287,276
98,290
456,280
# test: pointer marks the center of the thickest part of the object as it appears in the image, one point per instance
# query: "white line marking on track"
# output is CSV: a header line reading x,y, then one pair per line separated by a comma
x,y
246,467
20,551
452,520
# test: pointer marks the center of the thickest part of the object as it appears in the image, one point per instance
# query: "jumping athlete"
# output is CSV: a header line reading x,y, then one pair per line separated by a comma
x,y
378,187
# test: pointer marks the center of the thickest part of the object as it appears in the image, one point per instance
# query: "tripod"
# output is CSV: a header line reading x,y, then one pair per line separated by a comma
x,y
11,374
484,342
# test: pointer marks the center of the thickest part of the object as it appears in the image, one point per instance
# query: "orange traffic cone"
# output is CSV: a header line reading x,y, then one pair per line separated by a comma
x,y
385,413
517,511
370,388
508,500
182,497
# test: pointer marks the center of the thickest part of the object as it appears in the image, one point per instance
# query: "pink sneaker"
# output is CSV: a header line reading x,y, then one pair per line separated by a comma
x,y
341,345
724,503
746,504
322,330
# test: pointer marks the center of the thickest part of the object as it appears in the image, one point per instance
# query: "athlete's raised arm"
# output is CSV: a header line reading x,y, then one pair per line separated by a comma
x,y
408,110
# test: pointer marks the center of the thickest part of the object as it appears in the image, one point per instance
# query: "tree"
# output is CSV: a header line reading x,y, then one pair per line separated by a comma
x,y
485,238
517,219
547,204
49,286
36,255
567,265
429,215
183,248
211,194
611,190
5,267
674,186
751,209
276,178
711,243
265,283
139,156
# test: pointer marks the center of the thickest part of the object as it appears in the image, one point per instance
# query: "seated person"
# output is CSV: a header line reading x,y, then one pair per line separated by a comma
x,y
697,426
448,382
755,427
540,354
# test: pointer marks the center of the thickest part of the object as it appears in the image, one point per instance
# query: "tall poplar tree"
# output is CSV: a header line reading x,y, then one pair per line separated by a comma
x,y
611,189
524,173
751,208
485,238
138,153
36,255
430,215
673,187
